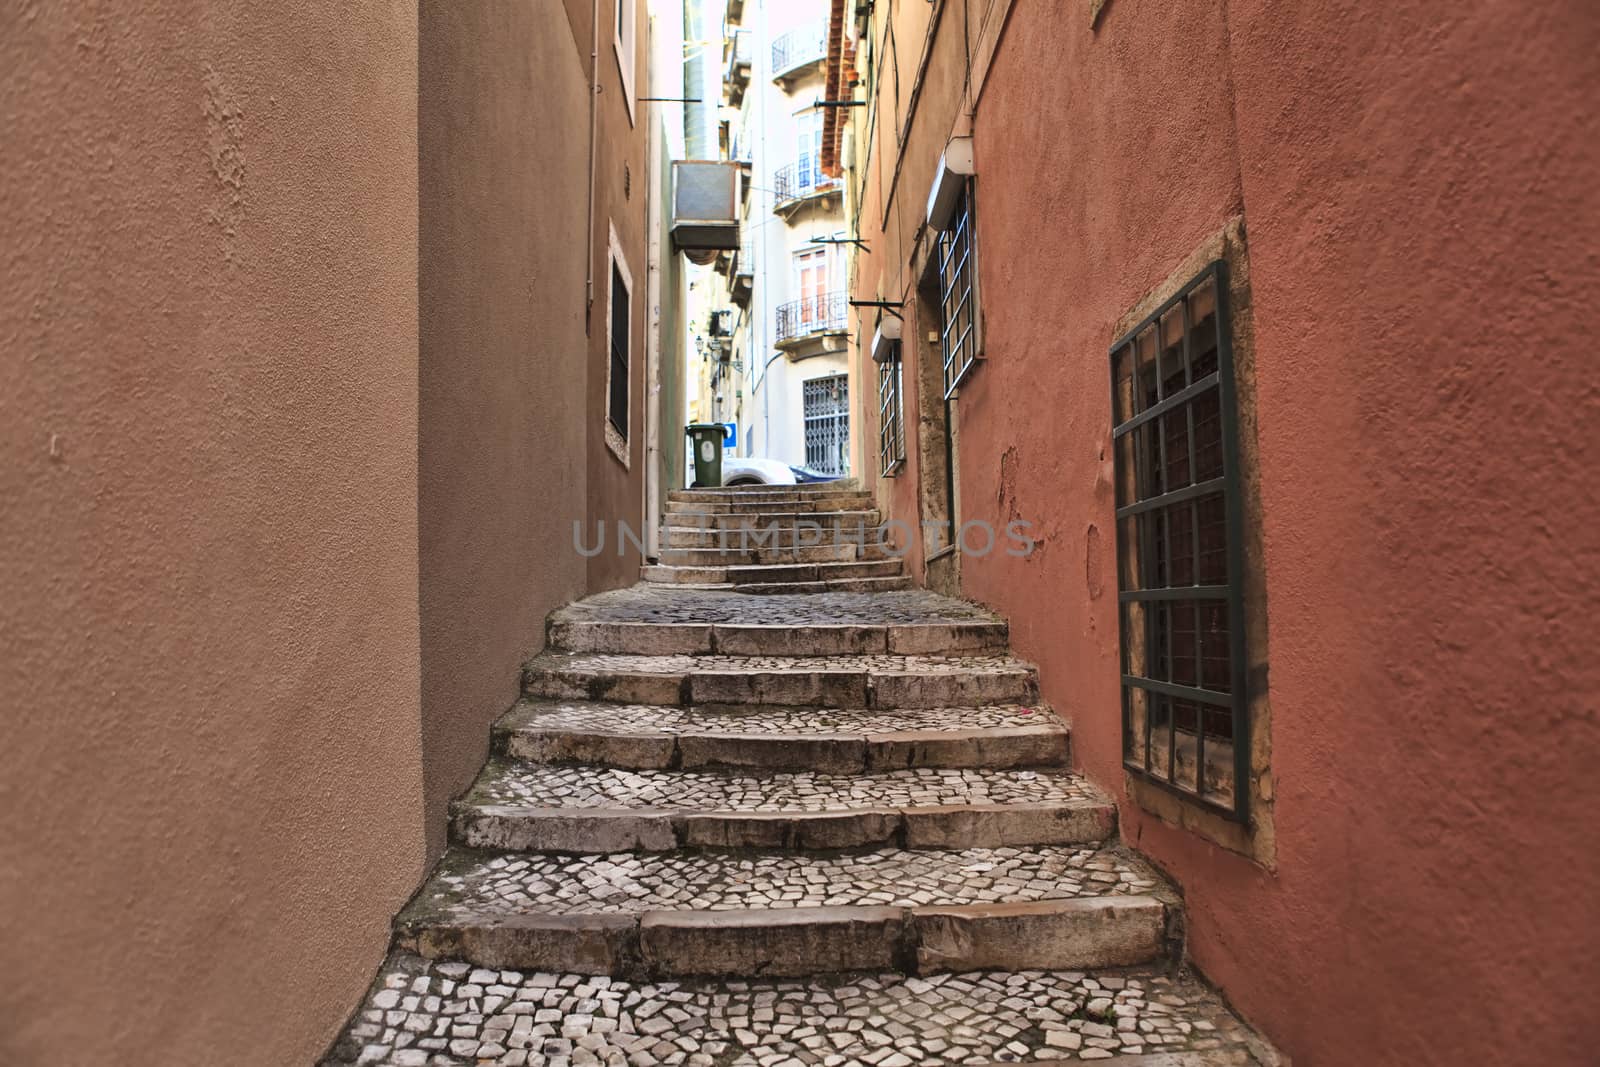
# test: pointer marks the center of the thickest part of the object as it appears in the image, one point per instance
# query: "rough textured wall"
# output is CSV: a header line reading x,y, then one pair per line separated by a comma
x,y
209,782
1421,195
1416,188
502,474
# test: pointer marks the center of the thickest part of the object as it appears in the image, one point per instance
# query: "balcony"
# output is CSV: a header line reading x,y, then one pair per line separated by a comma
x,y
803,325
799,49
736,66
799,182
742,279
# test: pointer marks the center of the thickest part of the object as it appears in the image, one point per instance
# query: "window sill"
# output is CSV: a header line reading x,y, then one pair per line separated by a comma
x,y
617,445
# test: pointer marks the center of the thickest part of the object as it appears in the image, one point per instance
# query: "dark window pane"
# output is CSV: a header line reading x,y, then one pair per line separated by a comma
x,y
1173,570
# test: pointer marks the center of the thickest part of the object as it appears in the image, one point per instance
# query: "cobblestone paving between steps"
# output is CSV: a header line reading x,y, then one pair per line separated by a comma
x,y
947,838
652,719
627,883
967,663
435,1014
514,784
664,604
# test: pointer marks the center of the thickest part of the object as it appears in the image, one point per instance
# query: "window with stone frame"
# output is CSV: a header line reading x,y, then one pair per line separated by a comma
x,y
1185,711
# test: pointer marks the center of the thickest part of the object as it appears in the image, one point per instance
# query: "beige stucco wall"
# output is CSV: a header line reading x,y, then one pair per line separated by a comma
x,y
504,132
210,775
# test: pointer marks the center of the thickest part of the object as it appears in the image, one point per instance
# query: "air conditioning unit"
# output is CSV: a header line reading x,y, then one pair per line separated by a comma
x,y
705,207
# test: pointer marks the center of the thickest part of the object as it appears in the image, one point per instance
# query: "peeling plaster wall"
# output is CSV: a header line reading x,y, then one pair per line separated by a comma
x,y
210,780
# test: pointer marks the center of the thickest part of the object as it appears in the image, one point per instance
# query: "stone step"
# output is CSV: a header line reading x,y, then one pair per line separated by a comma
x,y
546,808
772,494
754,538
825,740
818,505
718,913
745,629
838,485
845,681
421,1013
774,573
697,578
756,555
865,520
830,585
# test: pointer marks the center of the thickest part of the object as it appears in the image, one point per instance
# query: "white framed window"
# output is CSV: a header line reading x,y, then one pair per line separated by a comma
x,y
619,352
624,41
826,410
813,272
891,415
808,157
958,324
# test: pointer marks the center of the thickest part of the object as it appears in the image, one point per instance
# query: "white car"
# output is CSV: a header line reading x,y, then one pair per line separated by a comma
x,y
751,471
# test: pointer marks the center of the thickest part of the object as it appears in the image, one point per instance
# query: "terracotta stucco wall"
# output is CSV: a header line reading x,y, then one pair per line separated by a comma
x,y
503,119
1416,187
210,782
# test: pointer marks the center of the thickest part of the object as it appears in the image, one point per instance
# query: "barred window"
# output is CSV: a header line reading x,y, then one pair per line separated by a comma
x,y
1180,549
957,335
825,404
891,413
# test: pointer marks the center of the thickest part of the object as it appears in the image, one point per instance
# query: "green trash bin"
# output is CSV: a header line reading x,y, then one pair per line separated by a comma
x,y
707,438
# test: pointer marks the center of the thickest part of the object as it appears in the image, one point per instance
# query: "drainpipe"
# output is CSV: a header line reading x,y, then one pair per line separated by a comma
x,y
652,343
594,148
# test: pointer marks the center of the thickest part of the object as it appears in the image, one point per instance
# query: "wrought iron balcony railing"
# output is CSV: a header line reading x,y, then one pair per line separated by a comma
x,y
823,313
800,179
808,44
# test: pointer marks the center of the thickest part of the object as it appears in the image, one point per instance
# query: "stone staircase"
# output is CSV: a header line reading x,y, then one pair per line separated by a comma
x,y
835,828
813,538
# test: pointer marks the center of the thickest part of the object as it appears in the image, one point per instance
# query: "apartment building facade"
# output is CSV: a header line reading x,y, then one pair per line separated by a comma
x,y
784,376
1221,304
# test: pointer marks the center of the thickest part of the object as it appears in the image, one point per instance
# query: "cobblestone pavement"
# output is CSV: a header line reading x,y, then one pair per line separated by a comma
x,y
510,783
661,603
834,865
650,719
423,1014
471,884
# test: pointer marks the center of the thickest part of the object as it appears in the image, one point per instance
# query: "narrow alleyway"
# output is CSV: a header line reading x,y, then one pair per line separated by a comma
x,y
832,828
